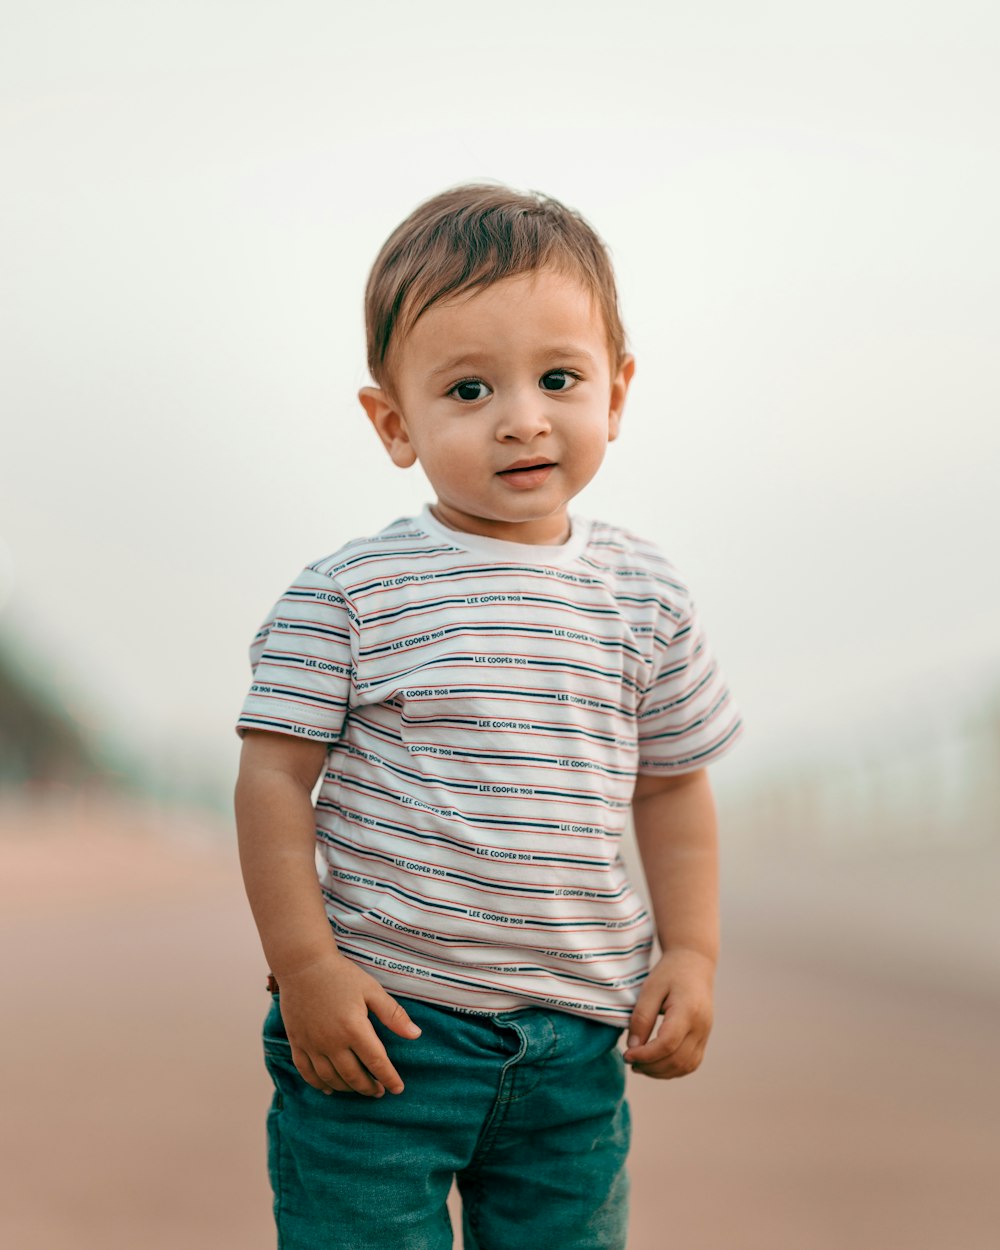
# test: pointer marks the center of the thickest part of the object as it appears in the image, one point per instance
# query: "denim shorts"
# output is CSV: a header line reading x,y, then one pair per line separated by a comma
x,y
525,1109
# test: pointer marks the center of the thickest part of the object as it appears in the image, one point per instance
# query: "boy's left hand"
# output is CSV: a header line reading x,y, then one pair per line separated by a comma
x,y
679,986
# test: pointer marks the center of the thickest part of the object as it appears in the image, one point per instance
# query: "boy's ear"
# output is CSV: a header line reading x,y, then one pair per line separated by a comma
x,y
619,390
389,424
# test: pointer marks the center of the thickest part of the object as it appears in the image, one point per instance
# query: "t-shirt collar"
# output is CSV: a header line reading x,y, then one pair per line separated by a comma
x,y
521,553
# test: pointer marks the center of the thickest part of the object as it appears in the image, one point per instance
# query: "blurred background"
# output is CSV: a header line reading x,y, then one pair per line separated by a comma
x,y
801,201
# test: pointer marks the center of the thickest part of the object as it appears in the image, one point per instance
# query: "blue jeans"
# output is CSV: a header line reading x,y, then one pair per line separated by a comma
x,y
526,1109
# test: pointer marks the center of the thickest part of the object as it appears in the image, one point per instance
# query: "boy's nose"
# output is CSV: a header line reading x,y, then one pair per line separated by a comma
x,y
523,418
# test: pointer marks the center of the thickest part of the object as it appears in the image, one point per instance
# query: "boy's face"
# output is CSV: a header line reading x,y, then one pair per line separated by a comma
x,y
516,372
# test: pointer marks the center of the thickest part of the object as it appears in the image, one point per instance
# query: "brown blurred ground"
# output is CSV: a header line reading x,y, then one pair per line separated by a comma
x,y
850,1100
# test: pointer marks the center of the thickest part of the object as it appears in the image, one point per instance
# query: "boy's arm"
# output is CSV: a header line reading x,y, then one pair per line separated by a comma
x,y
675,827
325,998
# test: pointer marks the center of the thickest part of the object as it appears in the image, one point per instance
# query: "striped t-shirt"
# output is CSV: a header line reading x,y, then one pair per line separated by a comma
x,y
486,707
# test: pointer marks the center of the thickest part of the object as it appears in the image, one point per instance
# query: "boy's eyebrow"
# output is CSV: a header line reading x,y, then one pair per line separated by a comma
x,y
475,359
571,350
449,366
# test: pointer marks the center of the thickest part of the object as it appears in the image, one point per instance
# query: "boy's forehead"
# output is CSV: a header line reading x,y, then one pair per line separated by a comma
x,y
559,305
528,287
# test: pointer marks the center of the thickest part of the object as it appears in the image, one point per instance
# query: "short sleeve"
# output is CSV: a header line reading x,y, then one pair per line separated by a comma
x,y
302,663
687,717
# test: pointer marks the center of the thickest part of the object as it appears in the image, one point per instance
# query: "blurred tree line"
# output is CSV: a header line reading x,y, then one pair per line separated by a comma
x,y
41,741
52,744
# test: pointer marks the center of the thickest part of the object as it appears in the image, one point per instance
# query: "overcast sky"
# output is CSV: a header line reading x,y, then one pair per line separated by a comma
x,y
802,204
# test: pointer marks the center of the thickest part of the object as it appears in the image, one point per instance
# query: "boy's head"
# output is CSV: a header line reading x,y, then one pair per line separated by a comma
x,y
472,237
497,347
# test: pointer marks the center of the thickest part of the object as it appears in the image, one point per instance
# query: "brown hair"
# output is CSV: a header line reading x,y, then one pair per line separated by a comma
x,y
473,236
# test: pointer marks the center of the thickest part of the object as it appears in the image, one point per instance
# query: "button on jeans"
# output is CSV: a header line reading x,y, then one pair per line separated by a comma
x,y
526,1109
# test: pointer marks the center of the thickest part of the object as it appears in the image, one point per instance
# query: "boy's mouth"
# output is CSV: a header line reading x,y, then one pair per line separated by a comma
x,y
527,473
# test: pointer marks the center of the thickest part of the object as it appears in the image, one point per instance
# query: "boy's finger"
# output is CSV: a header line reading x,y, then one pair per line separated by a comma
x,y
357,1076
642,1020
307,1070
683,1061
669,1036
376,1061
332,1082
653,1052
391,1013
674,1029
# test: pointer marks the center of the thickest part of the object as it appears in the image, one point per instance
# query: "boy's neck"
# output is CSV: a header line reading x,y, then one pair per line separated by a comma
x,y
567,534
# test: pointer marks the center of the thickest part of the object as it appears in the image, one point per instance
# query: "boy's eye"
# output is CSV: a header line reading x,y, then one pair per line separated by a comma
x,y
470,390
557,380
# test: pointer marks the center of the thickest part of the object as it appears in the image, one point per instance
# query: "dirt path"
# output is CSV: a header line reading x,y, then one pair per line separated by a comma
x,y
837,1111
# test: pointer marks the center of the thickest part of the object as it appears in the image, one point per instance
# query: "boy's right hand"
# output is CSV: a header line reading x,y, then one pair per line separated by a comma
x,y
324,1008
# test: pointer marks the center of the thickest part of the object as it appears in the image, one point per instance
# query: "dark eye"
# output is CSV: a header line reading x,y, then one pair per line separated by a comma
x,y
557,380
469,391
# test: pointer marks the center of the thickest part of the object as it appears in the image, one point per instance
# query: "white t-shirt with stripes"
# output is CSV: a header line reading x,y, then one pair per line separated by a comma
x,y
486,707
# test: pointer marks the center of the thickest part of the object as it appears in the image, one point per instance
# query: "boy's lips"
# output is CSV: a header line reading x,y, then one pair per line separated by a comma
x,y
525,473
527,462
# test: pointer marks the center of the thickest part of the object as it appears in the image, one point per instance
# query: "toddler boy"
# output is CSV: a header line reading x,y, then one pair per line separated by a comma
x,y
483,691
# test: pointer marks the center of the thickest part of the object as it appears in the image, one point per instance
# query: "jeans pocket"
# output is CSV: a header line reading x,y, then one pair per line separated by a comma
x,y
276,1043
